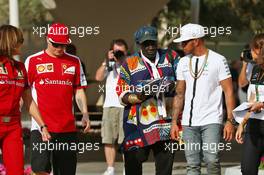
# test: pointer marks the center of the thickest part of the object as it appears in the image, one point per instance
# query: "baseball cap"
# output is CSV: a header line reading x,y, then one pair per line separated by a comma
x,y
190,31
146,33
59,33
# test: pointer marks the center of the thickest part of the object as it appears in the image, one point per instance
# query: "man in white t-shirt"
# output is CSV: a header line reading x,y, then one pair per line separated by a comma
x,y
202,76
112,122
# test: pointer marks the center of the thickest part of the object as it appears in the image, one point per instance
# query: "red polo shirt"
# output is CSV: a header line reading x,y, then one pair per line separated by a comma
x,y
13,81
53,82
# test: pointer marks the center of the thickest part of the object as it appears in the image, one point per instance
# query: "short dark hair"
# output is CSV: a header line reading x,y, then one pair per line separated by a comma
x,y
119,42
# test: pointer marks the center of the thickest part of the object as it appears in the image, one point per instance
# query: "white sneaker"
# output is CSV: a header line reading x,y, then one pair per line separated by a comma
x,y
109,172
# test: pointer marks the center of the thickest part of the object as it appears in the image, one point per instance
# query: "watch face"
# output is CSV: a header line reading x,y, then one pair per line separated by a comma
x,y
232,121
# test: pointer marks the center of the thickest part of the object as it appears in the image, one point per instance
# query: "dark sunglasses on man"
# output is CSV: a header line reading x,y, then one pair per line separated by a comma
x,y
57,45
148,43
184,43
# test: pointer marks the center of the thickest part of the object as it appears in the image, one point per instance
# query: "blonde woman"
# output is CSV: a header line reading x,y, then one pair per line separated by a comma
x,y
13,86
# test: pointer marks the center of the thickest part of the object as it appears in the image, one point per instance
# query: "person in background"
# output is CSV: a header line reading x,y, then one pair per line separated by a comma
x,y
71,49
253,122
112,121
248,63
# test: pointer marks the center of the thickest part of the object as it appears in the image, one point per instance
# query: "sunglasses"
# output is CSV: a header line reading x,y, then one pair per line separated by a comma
x,y
149,43
184,43
56,45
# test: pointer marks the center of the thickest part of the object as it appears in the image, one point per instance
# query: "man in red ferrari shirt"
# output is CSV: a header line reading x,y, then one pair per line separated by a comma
x,y
55,76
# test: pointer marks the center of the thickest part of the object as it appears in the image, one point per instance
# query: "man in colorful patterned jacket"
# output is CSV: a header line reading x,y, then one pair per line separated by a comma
x,y
142,90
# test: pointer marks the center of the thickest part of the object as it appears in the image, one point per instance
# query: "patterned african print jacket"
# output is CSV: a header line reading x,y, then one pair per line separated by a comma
x,y
142,123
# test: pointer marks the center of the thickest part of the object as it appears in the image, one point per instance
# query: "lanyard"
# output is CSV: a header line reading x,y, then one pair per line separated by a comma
x,y
149,69
160,102
259,78
257,92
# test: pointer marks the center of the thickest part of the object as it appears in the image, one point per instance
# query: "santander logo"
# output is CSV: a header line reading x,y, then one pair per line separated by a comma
x,y
41,82
48,81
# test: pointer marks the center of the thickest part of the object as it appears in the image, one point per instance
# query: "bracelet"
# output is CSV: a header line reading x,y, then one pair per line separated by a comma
x,y
232,121
43,126
244,122
132,98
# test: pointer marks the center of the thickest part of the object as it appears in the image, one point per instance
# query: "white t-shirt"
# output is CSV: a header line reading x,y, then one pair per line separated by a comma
x,y
252,90
111,97
203,98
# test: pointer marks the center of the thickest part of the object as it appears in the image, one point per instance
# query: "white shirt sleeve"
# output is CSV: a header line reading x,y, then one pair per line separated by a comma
x,y
223,69
83,81
179,70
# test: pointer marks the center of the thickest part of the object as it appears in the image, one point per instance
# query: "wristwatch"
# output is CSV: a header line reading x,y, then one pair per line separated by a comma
x,y
232,121
43,126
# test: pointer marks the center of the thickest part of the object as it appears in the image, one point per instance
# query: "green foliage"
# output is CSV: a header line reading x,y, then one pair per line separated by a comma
x,y
31,13
218,13
241,15
4,12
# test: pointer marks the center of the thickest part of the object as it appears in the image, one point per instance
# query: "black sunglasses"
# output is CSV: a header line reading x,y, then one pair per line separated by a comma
x,y
149,43
184,43
56,45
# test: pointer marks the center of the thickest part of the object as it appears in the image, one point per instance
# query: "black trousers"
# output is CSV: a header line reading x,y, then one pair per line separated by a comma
x,y
253,147
56,153
163,159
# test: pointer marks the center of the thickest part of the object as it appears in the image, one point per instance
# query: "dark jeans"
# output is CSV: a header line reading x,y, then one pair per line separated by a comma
x,y
253,147
56,153
163,159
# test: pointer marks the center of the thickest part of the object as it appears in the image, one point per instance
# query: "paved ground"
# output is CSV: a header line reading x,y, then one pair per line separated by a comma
x,y
92,161
179,168
231,153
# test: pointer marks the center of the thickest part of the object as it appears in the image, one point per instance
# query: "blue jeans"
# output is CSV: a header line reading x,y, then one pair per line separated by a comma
x,y
202,142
